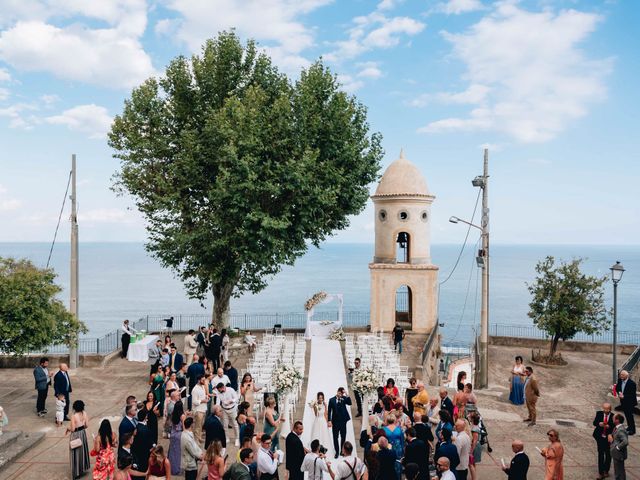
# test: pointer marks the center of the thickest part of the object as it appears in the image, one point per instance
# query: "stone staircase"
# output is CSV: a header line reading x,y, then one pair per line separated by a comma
x,y
14,443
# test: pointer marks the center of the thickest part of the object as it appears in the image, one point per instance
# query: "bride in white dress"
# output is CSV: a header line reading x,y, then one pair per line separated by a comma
x,y
319,429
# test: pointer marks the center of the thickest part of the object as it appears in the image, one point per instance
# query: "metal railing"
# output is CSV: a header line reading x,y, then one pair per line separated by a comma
x,y
428,345
632,362
529,331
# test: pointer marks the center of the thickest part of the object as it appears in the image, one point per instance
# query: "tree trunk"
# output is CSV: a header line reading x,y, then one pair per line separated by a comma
x,y
221,308
554,346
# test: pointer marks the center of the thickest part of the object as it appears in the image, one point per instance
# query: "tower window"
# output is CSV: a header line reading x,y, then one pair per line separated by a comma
x,y
403,215
424,216
382,215
402,251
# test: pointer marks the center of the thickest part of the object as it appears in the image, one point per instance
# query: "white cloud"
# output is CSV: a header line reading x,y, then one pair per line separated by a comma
x,y
350,84
369,70
374,31
388,4
60,37
19,115
107,215
276,24
4,75
475,94
456,7
49,99
91,119
536,77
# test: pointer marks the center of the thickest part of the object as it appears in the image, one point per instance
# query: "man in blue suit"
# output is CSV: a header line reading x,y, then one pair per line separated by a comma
x,y
338,416
175,359
43,380
129,422
62,385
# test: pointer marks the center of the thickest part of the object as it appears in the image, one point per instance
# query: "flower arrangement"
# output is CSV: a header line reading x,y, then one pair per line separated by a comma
x,y
365,381
285,378
337,334
315,300
326,322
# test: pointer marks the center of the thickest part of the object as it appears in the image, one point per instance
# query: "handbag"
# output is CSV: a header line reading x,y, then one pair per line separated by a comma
x,y
75,443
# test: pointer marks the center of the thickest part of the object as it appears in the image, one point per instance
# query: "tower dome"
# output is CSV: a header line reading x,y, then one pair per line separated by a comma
x,y
402,178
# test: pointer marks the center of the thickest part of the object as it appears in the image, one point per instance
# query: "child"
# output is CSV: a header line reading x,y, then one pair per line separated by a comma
x,y
4,420
164,358
60,404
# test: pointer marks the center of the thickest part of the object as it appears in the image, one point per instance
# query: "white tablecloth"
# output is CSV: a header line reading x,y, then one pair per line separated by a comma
x,y
315,329
139,351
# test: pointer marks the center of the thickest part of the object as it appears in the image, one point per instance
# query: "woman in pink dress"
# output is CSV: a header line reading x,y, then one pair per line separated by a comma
x,y
103,449
214,461
553,454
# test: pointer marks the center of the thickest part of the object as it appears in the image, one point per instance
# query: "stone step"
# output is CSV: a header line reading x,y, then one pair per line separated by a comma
x,y
16,444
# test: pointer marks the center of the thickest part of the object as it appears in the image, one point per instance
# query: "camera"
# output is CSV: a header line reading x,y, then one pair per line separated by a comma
x,y
323,450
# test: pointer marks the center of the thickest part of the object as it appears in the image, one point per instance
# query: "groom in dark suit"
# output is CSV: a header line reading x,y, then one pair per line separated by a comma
x,y
338,418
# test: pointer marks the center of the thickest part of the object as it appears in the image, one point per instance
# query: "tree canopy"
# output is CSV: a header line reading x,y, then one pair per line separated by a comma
x,y
31,317
237,169
566,301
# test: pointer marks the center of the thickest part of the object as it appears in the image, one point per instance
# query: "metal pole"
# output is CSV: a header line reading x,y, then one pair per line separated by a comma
x,y
615,333
73,307
484,309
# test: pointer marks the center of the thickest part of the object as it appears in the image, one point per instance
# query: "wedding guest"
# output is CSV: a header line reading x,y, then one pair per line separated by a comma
x,y
61,405
462,379
443,465
214,461
62,386
232,374
175,359
471,397
417,452
43,380
213,428
125,466
143,441
242,470
295,452
604,425
315,463
619,442
553,455
165,358
423,431
433,411
190,346
199,398
228,399
155,352
445,423
127,332
167,342
519,466
191,452
246,421
267,462
175,450
224,348
420,400
214,348
251,342
626,391
248,388
171,383
195,370
272,422
79,447
476,444
447,449
463,445
350,466
394,434
390,388
201,338
445,401
387,460
516,395
103,446
531,394
398,336
159,465
410,392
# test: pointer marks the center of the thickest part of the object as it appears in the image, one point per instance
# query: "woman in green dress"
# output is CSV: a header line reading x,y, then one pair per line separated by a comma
x,y
272,423
157,387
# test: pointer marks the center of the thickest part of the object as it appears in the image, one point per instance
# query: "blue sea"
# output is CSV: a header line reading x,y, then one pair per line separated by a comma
x,y
120,280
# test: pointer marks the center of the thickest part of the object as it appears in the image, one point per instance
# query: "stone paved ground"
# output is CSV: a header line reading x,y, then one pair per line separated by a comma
x,y
571,394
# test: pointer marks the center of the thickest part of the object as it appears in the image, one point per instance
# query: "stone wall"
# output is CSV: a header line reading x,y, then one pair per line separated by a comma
x,y
570,346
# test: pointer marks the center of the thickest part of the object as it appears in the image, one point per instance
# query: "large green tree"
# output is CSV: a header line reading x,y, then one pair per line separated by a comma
x,y
237,169
566,301
31,317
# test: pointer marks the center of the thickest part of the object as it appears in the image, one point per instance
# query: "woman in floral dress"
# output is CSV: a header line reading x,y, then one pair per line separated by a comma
x,y
103,449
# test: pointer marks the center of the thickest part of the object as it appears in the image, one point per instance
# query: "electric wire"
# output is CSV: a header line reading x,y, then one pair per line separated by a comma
x,y
55,235
466,237
466,296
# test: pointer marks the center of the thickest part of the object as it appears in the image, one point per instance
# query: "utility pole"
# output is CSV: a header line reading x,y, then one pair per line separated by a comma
x,y
73,303
484,309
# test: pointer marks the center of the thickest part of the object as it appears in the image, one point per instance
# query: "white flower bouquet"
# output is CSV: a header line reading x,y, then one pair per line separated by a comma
x,y
285,378
337,334
326,322
365,381
315,300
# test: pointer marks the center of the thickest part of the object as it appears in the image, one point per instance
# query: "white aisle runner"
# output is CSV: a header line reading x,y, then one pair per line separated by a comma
x,y
326,374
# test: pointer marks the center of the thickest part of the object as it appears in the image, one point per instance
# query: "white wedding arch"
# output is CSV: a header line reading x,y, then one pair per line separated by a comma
x,y
324,329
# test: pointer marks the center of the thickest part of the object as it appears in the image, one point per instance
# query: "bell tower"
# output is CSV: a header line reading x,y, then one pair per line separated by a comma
x,y
404,282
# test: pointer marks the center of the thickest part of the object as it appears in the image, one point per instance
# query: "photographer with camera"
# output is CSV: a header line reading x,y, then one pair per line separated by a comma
x,y
315,463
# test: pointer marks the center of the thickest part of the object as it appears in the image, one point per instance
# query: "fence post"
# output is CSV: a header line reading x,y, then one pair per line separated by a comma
x,y
147,323
98,346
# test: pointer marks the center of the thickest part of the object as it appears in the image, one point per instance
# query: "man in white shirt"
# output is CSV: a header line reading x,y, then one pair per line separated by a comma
x,y
433,411
350,467
220,377
267,461
443,467
315,463
463,445
228,400
199,399
127,332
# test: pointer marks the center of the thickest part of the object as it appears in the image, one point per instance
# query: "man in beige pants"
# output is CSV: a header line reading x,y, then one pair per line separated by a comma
x,y
531,395
199,399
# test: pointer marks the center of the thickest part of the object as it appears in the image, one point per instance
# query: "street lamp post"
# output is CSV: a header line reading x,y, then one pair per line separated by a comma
x,y
481,181
616,275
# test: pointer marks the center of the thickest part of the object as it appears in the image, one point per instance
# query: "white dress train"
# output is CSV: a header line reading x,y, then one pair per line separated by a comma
x,y
320,430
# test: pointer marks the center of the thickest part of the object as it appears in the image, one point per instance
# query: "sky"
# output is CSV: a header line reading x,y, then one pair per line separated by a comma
x,y
549,87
